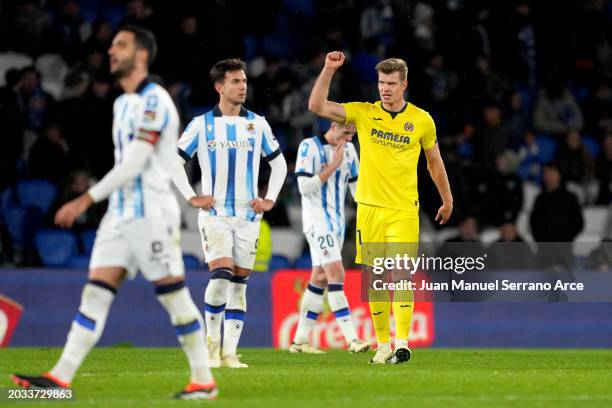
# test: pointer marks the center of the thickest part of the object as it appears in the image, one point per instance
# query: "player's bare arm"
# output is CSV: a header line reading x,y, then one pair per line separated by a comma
x,y
275,184
318,102
435,165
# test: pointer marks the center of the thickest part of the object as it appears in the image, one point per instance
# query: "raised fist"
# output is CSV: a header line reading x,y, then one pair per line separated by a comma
x,y
334,59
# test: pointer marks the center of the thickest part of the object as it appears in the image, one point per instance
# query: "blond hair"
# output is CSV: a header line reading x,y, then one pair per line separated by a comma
x,y
392,65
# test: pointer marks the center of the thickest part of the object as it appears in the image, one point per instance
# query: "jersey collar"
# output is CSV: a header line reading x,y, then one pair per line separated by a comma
x,y
141,87
322,139
217,112
394,114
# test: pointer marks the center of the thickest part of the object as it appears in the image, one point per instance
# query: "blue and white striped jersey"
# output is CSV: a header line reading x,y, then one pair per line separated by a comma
x,y
229,149
323,210
147,114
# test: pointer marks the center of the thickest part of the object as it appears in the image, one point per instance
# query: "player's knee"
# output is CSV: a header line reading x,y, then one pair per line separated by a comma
x,y
96,300
216,290
178,303
334,271
319,280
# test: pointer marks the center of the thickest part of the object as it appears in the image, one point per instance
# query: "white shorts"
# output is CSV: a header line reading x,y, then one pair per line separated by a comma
x,y
325,247
151,245
229,237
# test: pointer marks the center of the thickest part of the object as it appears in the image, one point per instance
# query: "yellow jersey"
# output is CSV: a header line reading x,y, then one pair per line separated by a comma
x,y
390,149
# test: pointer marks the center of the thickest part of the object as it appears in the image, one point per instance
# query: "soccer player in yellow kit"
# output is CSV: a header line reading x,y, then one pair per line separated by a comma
x,y
391,134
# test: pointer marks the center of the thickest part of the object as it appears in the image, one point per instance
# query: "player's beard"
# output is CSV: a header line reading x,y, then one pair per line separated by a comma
x,y
124,68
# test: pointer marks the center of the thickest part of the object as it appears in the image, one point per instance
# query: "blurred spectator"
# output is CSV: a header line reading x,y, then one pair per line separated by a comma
x,y
32,28
441,82
86,123
424,27
556,111
101,36
516,113
468,231
139,13
510,251
575,162
530,167
600,259
493,136
70,31
50,157
604,172
12,129
377,23
556,215
75,184
505,191
34,104
598,111
519,54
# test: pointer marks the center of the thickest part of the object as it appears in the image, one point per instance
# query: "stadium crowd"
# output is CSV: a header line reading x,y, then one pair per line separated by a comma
x,y
520,91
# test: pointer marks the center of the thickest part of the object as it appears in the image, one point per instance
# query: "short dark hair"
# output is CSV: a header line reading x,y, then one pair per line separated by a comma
x,y
144,39
217,72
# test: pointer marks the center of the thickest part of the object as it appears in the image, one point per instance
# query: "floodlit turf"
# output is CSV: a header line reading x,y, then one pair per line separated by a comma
x,y
141,377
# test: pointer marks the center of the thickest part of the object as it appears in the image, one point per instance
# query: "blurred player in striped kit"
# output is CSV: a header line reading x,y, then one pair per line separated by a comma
x,y
326,166
230,141
141,229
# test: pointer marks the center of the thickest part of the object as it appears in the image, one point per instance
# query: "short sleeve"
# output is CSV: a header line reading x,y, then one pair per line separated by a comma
x,y
429,135
188,142
354,170
154,118
351,111
304,165
269,145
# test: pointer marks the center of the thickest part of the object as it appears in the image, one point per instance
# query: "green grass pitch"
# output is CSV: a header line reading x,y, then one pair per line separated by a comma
x,y
146,377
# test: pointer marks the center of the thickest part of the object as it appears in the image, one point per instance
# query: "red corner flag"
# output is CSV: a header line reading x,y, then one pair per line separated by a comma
x,y
10,313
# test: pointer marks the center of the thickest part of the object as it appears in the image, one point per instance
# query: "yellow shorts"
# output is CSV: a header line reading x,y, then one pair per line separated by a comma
x,y
378,226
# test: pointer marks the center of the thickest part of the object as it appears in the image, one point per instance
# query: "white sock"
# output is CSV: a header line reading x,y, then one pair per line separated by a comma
x,y
384,346
86,329
189,327
401,343
215,297
339,305
234,315
311,306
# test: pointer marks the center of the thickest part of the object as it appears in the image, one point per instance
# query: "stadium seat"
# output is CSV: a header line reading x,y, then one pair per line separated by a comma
x,y
7,199
278,262
303,262
592,146
37,193
22,224
191,261
78,262
548,148
56,247
87,240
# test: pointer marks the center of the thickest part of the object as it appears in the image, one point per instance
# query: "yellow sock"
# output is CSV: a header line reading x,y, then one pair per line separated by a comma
x,y
381,312
403,307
